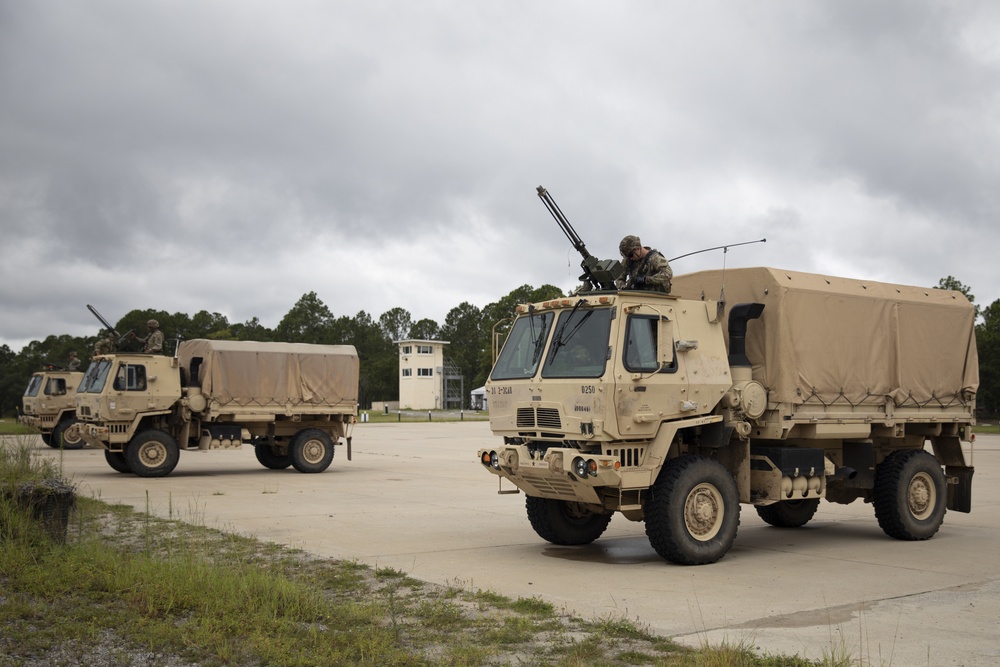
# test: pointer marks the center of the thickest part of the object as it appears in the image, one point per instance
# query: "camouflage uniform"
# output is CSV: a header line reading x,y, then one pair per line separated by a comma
x,y
152,343
652,272
104,345
74,362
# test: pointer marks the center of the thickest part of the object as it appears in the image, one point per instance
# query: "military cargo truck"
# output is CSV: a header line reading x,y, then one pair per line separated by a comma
x,y
293,402
674,409
49,406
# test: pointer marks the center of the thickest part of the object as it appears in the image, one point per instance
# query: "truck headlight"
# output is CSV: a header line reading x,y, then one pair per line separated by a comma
x,y
491,460
584,467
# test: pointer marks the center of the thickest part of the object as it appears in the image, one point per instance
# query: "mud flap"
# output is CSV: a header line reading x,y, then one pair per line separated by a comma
x,y
959,488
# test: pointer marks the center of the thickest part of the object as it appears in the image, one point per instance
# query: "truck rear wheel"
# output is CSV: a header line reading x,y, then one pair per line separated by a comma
x,y
565,523
694,511
152,453
311,450
63,436
271,457
789,513
910,496
117,461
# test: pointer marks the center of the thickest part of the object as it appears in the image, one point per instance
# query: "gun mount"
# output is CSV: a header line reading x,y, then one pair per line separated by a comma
x,y
120,338
598,274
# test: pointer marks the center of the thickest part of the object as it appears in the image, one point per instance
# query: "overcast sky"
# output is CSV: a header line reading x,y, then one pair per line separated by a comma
x,y
233,156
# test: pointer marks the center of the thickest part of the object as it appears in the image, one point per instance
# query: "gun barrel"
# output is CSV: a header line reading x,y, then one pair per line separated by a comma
x,y
563,223
101,318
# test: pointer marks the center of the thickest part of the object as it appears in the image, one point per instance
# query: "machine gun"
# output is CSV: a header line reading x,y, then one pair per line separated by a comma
x,y
598,274
121,338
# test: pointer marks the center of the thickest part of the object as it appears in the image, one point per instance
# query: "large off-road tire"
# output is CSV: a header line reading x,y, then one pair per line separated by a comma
x,y
564,522
693,512
789,513
47,439
63,437
311,450
270,457
152,453
117,461
910,495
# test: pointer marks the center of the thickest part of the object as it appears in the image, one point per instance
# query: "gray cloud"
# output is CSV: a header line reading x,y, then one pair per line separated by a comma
x,y
233,156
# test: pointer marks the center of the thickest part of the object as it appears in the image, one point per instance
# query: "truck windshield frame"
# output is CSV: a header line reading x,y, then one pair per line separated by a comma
x,y
581,348
34,384
97,374
522,353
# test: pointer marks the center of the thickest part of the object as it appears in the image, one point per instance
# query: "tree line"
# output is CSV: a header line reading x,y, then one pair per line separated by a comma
x,y
469,329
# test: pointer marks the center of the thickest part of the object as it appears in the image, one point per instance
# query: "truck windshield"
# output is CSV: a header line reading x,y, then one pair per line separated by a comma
x,y
97,375
580,347
523,350
33,386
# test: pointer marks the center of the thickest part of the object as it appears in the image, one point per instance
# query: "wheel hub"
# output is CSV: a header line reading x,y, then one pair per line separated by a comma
x,y
313,451
921,496
152,454
703,512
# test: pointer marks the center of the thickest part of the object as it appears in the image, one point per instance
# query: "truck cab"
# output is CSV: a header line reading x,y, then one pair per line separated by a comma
x,y
120,391
49,406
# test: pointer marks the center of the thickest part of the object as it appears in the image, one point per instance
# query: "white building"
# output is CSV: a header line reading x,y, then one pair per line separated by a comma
x,y
421,374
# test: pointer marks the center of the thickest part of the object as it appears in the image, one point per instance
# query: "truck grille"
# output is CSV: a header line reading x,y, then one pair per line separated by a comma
x,y
629,457
544,417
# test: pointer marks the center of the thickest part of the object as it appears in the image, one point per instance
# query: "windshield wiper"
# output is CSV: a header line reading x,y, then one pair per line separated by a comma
x,y
561,341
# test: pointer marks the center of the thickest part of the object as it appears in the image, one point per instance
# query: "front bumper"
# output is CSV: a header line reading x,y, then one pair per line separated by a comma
x,y
562,473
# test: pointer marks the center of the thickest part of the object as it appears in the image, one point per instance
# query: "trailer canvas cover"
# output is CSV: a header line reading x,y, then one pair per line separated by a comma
x,y
295,374
825,339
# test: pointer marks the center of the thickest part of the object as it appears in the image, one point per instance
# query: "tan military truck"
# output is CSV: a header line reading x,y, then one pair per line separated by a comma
x,y
673,409
49,406
293,402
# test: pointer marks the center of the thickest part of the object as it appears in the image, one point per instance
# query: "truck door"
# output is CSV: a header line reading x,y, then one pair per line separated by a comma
x,y
649,387
128,391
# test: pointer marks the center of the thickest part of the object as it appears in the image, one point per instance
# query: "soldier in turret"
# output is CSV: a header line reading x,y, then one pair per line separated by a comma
x,y
105,343
153,342
645,267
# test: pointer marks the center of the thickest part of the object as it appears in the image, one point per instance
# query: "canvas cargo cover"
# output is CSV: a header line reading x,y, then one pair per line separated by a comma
x,y
823,339
251,373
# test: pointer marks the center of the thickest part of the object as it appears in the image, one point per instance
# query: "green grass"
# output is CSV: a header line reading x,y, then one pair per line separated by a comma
x,y
129,583
11,427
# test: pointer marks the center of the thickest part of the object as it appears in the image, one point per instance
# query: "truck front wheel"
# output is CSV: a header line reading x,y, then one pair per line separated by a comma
x,y
152,453
65,437
311,450
117,461
910,495
693,512
565,523
789,513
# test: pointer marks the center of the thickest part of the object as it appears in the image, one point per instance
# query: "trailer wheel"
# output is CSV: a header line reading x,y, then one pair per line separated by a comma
x,y
311,450
271,457
693,512
152,453
564,522
910,496
70,440
117,461
789,513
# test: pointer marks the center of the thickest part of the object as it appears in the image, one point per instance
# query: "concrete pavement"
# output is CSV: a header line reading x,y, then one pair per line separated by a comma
x,y
416,499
